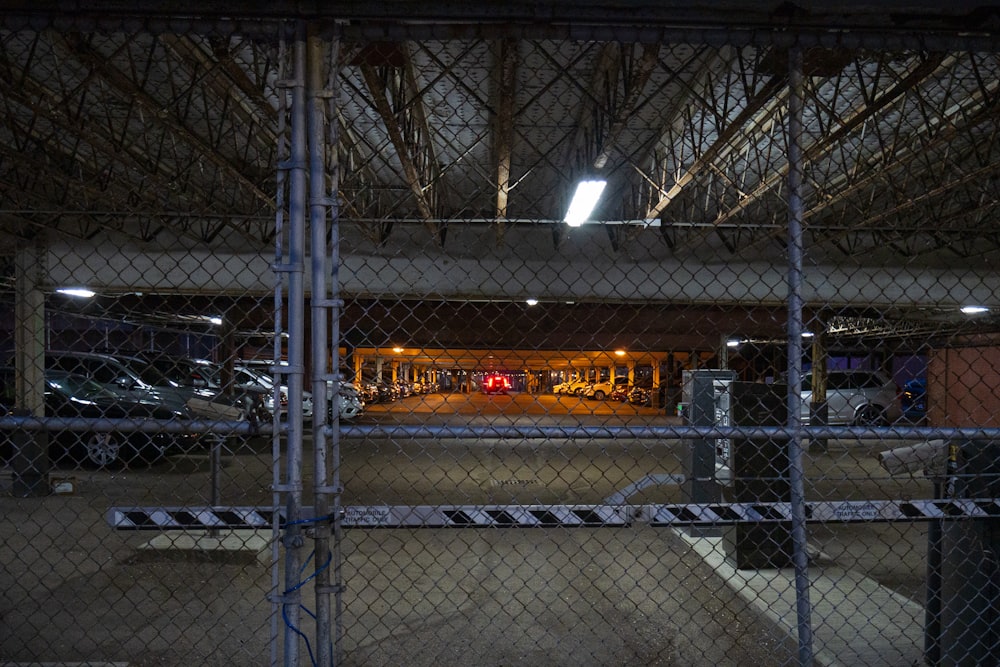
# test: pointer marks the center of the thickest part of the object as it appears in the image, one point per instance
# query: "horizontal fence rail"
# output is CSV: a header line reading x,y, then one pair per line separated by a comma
x,y
541,516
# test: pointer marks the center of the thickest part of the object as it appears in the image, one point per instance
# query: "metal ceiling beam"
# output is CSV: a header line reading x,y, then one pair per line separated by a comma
x,y
406,126
755,102
923,69
128,89
504,85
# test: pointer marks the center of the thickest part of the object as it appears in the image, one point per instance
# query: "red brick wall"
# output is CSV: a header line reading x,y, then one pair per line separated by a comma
x,y
963,387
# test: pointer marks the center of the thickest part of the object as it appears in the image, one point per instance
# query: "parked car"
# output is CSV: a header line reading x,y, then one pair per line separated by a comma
x,y
138,380
349,399
73,396
250,376
561,387
855,397
914,399
620,393
495,383
113,374
571,387
199,382
640,396
380,392
602,390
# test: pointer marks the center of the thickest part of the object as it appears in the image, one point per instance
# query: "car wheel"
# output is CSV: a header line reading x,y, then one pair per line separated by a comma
x,y
870,415
102,449
599,395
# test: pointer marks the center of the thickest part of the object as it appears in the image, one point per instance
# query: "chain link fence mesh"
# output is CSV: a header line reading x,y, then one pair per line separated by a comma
x,y
349,390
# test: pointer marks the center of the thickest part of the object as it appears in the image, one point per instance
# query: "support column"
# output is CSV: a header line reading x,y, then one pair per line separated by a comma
x,y
818,408
30,461
654,399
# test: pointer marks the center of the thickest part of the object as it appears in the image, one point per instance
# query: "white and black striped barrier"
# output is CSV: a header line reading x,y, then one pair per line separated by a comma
x,y
570,516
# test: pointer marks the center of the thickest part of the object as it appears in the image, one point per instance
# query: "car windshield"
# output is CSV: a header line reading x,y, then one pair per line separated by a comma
x,y
153,375
80,387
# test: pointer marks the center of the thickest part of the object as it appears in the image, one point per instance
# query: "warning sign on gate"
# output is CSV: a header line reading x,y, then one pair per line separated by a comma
x,y
367,516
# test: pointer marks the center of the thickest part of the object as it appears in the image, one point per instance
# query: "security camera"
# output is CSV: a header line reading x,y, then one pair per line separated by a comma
x,y
929,457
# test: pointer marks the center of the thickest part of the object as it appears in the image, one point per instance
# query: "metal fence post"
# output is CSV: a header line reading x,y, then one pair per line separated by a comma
x,y
319,304
796,474
293,540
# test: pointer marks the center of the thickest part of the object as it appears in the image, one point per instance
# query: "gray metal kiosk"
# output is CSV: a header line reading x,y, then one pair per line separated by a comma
x,y
705,396
759,473
742,470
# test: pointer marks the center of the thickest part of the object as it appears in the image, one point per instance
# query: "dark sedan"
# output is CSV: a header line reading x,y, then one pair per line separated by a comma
x,y
72,396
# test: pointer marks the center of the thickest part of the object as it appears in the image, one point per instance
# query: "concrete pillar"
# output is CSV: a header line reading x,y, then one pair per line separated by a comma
x,y
30,462
655,391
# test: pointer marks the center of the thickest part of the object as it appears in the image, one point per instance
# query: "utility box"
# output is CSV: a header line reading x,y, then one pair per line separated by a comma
x,y
705,396
759,473
966,628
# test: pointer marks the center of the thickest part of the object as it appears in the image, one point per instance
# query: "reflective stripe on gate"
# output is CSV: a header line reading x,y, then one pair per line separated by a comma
x,y
533,516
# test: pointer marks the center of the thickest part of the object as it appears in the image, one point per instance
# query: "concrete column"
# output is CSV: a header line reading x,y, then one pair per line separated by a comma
x,y
29,330
30,461
818,409
655,391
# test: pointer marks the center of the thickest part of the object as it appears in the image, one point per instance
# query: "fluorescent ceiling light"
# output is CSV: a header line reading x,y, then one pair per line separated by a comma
x,y
584,200
807,334
76,291
217,321
733,342
972,310
532,302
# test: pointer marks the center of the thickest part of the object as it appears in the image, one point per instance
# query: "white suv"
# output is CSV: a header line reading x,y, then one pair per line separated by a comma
x,y
855,397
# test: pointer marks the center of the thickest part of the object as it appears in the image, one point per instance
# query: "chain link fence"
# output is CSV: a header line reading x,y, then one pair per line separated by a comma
x,y
306,362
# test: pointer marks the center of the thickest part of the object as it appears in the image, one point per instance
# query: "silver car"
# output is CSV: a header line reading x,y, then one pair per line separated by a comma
x,y
855,397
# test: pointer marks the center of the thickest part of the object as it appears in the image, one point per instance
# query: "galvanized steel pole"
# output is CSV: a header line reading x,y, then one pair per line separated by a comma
x,y
336,309
796,473
293,540
318,202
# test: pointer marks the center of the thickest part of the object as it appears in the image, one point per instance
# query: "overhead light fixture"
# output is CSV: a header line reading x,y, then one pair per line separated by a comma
x,y
217,321
620,353
808,334
584,200
532,302
397,350
972,310
733,342
81,292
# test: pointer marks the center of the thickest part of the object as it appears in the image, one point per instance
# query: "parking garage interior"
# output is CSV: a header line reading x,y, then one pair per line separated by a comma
x,y
379,193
